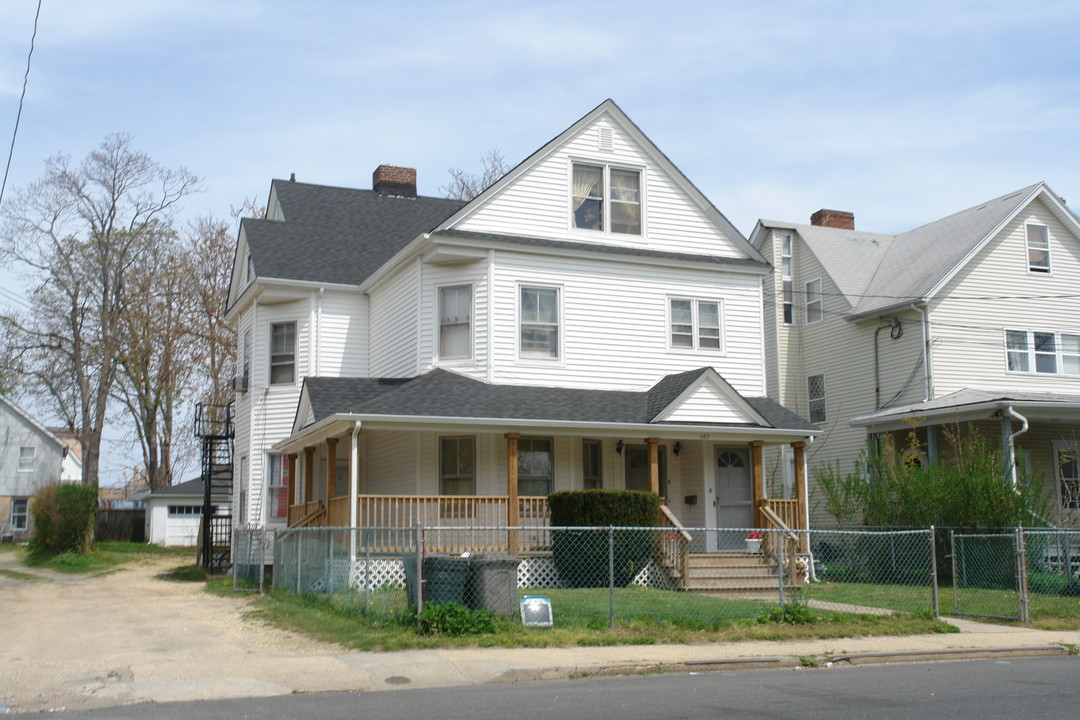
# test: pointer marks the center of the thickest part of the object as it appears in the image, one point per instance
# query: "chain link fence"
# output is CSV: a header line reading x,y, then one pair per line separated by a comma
x,y
1015,573
596,577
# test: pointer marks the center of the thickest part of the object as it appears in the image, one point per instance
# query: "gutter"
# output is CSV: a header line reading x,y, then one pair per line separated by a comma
x,y
895,418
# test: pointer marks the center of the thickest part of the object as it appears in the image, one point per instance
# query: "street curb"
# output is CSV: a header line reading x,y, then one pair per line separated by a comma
x,y
949,654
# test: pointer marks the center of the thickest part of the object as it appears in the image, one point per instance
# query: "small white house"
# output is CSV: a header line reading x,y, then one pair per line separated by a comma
x,y
173,515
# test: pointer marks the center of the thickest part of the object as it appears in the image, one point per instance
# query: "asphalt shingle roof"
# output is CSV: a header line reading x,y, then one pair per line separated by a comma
x,y
441,393
338,235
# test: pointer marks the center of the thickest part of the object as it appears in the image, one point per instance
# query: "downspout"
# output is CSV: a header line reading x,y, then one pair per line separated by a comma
x,y
1008,410
928,389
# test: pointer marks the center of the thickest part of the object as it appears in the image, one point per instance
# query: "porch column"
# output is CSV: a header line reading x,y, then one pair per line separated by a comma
x,y
331,463
654,465
290,461
354,476
513,516
800,491
309,473
757,480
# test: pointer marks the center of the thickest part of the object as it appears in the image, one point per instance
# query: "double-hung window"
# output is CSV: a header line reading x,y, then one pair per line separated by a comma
x,y
1038,247
815,391
20,508
457,466
606,198
815,301
786,278
282,353
539,324
455,322
277,487
1043,353
536,467
26,459
695,324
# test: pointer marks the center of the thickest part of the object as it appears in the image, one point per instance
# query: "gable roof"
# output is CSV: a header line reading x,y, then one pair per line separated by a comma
x,y
877,272
34,424
613,111
337,235
441,393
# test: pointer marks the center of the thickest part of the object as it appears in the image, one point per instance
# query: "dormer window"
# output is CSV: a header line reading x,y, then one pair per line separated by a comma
x,y
1038,248
606,198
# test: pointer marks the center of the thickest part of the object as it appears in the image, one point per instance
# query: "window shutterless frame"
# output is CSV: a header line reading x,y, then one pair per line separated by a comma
x,y
1042,352
283,353
695,324
455,308
540,323
815,301
606,198
1037,242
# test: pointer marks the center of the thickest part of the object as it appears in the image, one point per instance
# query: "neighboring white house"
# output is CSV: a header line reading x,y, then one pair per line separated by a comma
x,y
173,515
30,456
591,314
971,319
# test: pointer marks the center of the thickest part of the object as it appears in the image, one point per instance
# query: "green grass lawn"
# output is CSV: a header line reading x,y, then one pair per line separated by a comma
x,y
103,557
642,616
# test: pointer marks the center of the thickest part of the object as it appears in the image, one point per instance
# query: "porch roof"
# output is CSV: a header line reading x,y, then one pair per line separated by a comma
x,y
970,404
444,395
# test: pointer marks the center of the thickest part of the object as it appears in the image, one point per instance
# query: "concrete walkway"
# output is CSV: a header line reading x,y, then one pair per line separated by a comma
x,y
130,638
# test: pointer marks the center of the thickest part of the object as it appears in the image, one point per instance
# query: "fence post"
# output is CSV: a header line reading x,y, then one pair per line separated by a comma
x,y
366,539
955,582
778,536
262,560
330,562
299,556
611,576
1021,576
933,573
419,572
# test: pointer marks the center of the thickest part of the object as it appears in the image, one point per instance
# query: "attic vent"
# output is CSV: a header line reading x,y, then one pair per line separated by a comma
x,y
605,139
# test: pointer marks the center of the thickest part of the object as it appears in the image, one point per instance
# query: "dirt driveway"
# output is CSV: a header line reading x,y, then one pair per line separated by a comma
x,y
79,642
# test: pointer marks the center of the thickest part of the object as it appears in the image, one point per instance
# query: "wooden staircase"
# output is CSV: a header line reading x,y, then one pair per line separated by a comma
x,y
731,572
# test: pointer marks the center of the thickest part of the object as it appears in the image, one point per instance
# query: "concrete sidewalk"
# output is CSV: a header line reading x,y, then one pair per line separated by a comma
x,y
365,671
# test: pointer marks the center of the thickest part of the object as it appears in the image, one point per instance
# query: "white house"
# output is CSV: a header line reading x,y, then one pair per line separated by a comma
x,y
970,320
590,320
173,515
30,456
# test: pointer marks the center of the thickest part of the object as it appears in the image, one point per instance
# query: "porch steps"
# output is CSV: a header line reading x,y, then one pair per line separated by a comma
x,y
730,572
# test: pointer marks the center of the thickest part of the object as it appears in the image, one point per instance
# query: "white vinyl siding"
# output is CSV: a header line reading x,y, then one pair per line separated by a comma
x,y
536,204
977,307
395,306
620,310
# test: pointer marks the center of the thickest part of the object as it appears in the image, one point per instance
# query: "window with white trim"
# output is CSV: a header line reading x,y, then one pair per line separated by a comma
x,y
457,466
591,465
536,466
606,198
695,324
26,459
455,322
1042,353
277,487
282,353
815,301
815,392
539,323
1038,247
786,278
20,513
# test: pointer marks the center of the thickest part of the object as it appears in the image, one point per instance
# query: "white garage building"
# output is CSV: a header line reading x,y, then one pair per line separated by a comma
x,y
173,515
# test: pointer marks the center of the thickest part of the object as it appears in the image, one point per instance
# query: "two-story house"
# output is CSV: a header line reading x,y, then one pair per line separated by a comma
x,y
590,320
969,321
30,457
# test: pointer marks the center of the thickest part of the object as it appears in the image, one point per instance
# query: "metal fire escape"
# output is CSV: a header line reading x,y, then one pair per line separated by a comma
x,y
214,427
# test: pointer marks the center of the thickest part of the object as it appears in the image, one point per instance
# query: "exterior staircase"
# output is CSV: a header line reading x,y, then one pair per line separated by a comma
x,y
214,428
736,573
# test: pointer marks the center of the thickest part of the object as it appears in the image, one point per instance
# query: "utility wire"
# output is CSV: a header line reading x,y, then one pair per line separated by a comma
x,y
22,97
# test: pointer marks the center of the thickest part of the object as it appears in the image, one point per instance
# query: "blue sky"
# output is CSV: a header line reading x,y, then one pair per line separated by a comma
x,y
901,112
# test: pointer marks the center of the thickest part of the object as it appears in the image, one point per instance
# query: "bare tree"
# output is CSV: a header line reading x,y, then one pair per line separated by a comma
x,y
464,185
210,256
77,236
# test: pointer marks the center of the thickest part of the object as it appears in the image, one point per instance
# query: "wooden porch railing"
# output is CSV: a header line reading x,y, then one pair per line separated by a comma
x,y
794,543
674,543
306,514
455,523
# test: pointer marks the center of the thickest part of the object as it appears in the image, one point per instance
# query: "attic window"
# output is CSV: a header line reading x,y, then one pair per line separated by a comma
x,y
607,199
1038,248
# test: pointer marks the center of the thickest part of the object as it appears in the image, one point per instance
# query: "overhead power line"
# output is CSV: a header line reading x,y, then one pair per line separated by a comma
x,y
22,97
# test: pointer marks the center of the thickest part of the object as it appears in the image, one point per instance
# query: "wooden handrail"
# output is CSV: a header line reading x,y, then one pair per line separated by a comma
x,y
672,522
777,523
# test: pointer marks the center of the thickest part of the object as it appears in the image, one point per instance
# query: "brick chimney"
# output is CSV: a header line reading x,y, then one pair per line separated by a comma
x,y
393,180
833,219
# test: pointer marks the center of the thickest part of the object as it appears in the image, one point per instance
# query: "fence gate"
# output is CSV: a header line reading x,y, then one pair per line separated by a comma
x,y
989,575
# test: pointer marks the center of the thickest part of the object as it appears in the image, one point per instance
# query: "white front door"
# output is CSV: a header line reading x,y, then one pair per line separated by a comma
x,y
732,499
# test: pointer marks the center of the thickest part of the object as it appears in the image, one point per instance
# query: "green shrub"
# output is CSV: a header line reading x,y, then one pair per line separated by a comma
x,y
583,557
64,516
455,620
